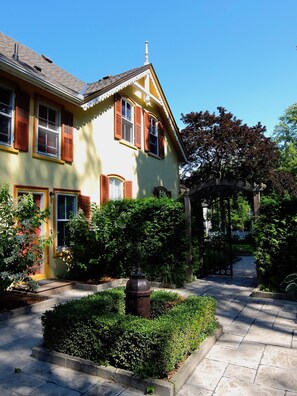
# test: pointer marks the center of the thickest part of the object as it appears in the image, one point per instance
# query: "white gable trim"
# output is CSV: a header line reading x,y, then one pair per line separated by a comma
x,y
131,81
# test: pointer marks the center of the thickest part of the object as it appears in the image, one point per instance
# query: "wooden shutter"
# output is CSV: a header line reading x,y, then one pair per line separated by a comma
x,y
161,139
128,189
137,126
117,117
146,131
22,110
104,189
84,203
67,136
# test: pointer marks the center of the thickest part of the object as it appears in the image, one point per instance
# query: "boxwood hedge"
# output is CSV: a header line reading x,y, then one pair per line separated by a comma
x,y
96,328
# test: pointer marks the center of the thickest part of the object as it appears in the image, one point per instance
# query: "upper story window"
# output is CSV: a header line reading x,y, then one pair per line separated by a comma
x,y
127,121
154,141
6,116
48,135
154,136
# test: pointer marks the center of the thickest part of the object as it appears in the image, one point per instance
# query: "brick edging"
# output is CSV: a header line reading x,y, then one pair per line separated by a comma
x,y
127,378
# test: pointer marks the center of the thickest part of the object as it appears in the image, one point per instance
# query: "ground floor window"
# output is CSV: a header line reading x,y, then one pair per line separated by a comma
x,y
66,205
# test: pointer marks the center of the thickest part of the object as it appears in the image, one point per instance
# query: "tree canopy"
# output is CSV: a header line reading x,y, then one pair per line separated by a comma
x,y
221,146
285,136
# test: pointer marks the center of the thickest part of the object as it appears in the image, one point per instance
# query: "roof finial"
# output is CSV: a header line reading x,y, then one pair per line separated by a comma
x,y
146,56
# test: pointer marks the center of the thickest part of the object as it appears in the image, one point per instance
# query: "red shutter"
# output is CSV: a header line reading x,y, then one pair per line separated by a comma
x,y
22,110
67,137
161,139
128,189
137,126
104,189
84,203
146,131
117,117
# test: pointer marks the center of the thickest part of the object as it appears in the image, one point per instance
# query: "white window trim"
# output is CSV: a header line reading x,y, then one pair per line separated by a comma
x,y
58,132
61,193
155,135
121,181
127,121
12,116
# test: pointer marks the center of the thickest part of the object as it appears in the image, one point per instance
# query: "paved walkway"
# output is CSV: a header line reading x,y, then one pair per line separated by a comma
x,y
256,355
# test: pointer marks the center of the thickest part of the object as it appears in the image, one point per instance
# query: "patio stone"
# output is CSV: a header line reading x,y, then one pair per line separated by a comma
x,y
106,388
242,373
50,389
230,387
247,354
280,357
230,340
21,383
191,390
207,374
277,378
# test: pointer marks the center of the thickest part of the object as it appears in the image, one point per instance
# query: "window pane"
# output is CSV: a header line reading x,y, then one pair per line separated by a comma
x,y
61,231
42,112
70,205
115,189
5,100
5,129
61,209
52,143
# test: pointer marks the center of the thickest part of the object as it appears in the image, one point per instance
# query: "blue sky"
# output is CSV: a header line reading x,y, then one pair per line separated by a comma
x,y
240,54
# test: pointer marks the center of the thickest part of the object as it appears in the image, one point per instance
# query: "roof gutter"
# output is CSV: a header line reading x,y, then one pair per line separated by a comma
x,y
8,66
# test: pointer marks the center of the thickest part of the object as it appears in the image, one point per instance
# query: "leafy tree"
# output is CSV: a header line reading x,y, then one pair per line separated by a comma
x,y
21,249
221,146
285,136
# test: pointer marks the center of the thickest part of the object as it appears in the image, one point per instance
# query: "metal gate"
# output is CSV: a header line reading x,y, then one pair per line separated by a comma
x,y
217,258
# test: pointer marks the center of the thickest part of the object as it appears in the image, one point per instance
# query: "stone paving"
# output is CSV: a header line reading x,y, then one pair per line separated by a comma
x,y
256,354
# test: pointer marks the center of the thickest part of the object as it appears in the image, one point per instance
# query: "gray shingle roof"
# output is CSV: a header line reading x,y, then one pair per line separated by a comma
x,y
32,62
42,67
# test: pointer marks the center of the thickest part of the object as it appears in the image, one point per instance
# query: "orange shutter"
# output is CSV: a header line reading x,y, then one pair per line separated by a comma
x,y
22,109
104,189
128,189
67,137
146,131
117,117
137,126
161,139
84,203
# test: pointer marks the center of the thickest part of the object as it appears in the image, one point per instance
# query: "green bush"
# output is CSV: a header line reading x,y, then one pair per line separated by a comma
x,y
96,328
125,234
275,235
21,249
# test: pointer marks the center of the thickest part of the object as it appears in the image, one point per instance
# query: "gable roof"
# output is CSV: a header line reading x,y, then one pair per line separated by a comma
x,y
39,70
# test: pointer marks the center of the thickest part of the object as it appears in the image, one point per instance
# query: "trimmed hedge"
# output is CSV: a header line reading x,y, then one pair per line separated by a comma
x,y
96,328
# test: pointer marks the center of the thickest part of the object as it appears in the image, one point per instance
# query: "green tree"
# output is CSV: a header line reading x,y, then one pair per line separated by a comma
x,y
21,249
285,136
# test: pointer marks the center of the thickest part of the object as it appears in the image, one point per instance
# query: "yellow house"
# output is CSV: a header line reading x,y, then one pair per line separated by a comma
x,y
71,143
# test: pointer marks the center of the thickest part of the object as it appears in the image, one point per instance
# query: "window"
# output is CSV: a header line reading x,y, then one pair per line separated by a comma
x,y
154,142
127,124
154,135
48,136
115,188
6,114
66,205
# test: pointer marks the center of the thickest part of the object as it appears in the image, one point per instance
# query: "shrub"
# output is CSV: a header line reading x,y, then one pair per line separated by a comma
x,y
96,328
21,249
276,241
125,234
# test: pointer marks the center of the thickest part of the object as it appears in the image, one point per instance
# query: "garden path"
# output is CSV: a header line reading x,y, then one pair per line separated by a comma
x,y
256,354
